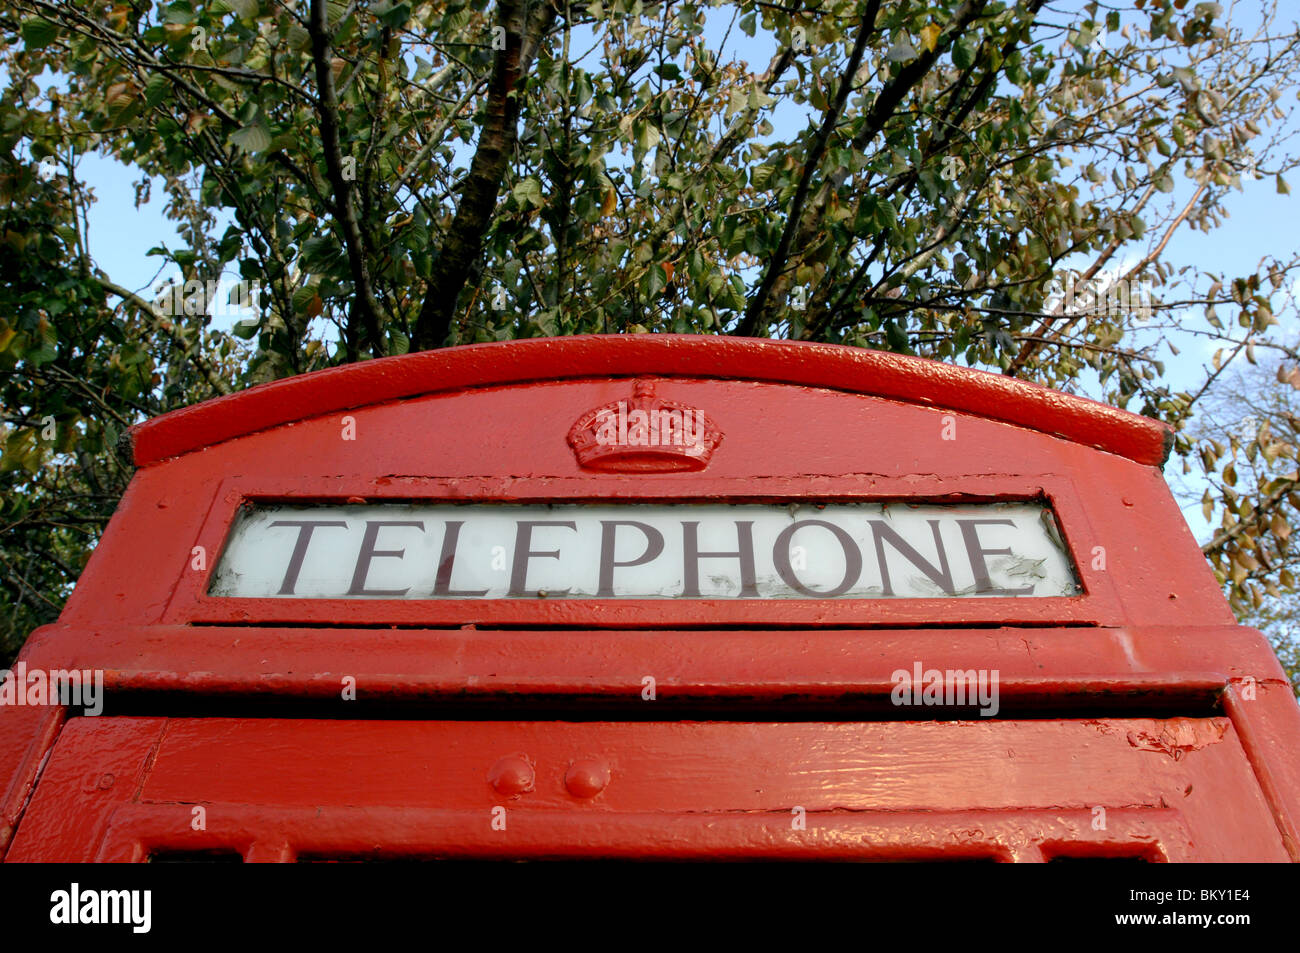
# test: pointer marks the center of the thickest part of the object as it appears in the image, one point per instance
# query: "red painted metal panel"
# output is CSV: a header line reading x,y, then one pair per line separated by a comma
x,y
97,764
817,365
1115,667
352,834
1267,718
26,735
998,789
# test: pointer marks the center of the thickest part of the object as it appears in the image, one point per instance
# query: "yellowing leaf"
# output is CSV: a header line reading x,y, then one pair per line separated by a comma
x,y
930,36
117,17
1279,527
115,93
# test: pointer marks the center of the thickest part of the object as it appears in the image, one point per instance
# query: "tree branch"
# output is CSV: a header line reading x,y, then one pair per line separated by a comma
x,y
463,244
146,310
1263,507
364,305
883,107
758,305
1026,354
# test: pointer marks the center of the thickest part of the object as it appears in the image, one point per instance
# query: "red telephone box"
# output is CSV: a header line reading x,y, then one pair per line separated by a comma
x,y
649,596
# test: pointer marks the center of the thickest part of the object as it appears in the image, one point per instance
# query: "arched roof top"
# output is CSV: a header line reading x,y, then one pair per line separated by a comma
x,y
898,377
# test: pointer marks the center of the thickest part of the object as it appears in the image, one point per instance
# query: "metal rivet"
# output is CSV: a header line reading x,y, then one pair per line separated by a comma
x,y
587,778
97,782
512,775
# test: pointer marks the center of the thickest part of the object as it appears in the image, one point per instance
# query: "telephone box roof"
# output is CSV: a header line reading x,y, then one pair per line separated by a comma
x,y
894,376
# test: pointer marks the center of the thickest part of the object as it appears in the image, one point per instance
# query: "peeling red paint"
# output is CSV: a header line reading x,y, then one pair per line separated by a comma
x,y
1178,736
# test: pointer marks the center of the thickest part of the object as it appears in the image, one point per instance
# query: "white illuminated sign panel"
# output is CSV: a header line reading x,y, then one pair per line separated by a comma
x,y
644,551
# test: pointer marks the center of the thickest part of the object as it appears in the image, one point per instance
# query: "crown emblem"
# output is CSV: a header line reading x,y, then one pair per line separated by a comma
x,y
644,434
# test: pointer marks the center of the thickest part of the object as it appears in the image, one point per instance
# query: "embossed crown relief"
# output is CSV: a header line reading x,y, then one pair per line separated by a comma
x,y
644,433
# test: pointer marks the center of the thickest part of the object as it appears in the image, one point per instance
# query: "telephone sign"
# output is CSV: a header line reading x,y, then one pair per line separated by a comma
x,y
649,551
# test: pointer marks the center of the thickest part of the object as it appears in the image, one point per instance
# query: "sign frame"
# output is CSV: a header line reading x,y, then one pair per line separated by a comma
x,y
1097,603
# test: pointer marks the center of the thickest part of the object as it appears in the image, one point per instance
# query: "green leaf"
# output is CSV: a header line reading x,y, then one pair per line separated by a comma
x,y
179,12
895,335
528,192
299,38
652,282
302,297
582,87
319,252
132,354
648,136
335,10
157,88
38,33
393,15
963,52
250,139
49,345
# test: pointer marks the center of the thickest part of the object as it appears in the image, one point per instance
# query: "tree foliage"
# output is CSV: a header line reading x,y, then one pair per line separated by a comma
x,y
967,180
1246,432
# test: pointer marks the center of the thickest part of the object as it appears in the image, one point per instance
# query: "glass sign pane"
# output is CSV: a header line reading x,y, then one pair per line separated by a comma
x,y
645,551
